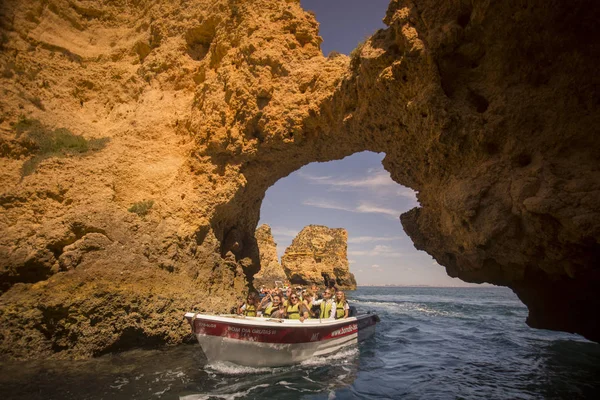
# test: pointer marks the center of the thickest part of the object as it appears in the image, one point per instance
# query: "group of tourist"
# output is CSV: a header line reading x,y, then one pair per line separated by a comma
x,y
297,303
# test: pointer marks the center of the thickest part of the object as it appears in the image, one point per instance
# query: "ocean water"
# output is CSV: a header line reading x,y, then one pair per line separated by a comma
x,y
432,343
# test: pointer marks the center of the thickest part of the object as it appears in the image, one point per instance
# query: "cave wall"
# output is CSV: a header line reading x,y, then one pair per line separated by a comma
x,y
487,109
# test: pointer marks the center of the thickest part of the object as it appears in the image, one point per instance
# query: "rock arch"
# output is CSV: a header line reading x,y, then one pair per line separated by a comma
x,y
494,127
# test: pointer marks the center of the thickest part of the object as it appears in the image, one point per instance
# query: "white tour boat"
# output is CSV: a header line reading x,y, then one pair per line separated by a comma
x,y
268,342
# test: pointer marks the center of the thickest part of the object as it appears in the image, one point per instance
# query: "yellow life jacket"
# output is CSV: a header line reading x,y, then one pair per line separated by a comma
x,y
293,311
268,311
325,309
339,310
250,310
310,312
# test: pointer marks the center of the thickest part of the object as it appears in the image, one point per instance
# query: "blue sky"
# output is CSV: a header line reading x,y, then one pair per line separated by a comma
x,y
355,193
345,23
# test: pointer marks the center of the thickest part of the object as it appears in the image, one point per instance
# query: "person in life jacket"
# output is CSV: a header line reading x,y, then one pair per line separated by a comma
x,y
299,292
250,307
307,301
288,293
274,309
296,309
327,305
316,295
342,308
265,301
315,291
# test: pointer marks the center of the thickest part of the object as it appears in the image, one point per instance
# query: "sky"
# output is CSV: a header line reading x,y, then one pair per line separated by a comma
x,y
355,193
346,23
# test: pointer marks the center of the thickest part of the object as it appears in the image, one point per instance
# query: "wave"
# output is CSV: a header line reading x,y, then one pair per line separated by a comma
x,y
426,346
410,307
227,396
346,354
236,381
227,368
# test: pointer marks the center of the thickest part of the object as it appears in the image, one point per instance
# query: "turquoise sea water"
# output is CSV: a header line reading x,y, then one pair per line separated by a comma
x,y
432,343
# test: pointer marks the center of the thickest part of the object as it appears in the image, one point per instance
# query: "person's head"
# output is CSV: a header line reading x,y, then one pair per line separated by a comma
x,y
314,288
328,293
288,291
294,298
276,300
340,296
252,298
308,295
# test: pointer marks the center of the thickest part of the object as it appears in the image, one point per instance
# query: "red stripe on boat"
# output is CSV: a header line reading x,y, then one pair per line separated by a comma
x,y
279,334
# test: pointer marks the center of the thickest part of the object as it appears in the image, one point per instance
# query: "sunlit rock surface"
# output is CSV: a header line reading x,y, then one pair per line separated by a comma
x,y
271,270
318,255
137,140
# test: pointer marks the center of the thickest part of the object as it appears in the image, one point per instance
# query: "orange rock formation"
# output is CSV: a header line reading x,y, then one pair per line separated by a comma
x,y
137,140
318,254
271,270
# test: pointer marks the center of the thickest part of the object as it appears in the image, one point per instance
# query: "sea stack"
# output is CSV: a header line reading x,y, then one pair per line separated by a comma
x,y
317,255
270,268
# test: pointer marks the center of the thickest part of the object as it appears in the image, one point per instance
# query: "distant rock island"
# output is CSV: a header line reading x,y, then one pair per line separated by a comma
x,y
318,255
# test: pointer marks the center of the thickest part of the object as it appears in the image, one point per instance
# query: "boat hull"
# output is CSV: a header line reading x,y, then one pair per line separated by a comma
x,y
261,342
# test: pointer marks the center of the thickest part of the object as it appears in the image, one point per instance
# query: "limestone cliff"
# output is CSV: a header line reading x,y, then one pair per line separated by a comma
x,y
270,268
137,141
317,255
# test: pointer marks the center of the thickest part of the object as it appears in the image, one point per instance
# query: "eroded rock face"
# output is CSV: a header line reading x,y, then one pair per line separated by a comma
x,y
489,110
271,270
318,254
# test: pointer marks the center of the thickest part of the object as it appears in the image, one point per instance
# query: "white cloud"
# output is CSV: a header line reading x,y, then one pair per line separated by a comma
x,y
377,251
326,204
370,239
362,208
377,184
409,194
375,266
378,178
284,232
382,248
369,208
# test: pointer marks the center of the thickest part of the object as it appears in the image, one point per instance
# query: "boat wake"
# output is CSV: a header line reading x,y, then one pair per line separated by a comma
x,y
237,395
345,355
227,368
235,381
407,307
